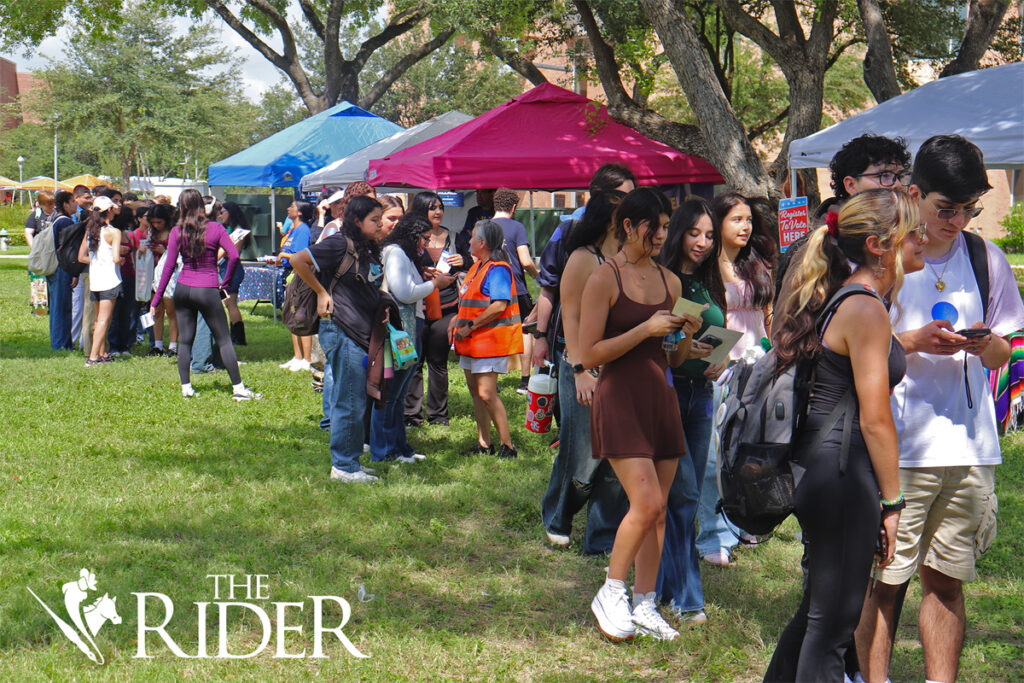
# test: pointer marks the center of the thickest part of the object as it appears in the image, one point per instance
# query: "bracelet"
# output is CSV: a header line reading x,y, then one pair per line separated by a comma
x,y
894,505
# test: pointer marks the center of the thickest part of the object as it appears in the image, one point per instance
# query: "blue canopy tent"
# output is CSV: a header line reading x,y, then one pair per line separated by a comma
x,y
283,158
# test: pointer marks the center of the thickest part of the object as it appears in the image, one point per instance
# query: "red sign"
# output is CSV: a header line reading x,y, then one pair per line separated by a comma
x,y
792,221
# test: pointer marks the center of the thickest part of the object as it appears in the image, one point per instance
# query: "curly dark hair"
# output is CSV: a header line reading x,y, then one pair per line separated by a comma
x,y
406,234
855,156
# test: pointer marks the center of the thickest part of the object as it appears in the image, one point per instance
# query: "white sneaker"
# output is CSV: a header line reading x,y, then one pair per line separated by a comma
x,y
289,364
611,607
359,477
405,459
418,456
246,394
366,448
561,540
300,365
367,470
648,620
188,393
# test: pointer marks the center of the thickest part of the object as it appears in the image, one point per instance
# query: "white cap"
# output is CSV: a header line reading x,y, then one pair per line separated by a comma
x,y
102,203
336,197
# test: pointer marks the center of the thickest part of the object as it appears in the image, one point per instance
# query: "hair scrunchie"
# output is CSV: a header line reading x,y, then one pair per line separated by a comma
x,y
832,221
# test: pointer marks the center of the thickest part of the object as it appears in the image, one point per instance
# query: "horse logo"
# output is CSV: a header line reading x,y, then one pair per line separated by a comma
x,y
85,621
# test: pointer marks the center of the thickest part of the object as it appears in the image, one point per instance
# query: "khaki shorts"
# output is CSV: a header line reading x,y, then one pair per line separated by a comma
x,y
949,521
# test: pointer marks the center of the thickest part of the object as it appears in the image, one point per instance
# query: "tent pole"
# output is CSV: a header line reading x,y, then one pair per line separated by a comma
x,y
533,229
792,182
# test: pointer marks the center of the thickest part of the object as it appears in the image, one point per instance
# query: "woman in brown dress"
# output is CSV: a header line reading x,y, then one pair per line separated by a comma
x,y
626,314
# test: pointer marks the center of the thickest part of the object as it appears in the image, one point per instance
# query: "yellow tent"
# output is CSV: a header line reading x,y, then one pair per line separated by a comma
x,y
7,184
43,183
87,179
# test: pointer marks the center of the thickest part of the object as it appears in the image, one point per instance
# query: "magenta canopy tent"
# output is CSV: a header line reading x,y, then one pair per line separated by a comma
x,y
546,139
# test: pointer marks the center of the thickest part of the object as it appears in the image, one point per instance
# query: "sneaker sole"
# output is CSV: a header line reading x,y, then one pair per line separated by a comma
x,y
649,633
609,633
558,540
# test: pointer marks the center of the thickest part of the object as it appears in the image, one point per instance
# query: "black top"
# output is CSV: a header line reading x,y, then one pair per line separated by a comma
x,y
357,294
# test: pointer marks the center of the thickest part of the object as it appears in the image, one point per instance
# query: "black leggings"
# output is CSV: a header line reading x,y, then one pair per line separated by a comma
x,y
188,301
840,516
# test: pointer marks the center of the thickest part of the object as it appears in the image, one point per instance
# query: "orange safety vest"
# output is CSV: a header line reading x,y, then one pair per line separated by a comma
x,y
503,336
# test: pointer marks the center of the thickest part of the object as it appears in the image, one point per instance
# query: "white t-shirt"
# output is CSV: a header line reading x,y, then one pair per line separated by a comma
x,y
936,426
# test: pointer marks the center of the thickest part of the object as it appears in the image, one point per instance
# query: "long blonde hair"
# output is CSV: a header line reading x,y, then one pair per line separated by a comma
x,y
824,264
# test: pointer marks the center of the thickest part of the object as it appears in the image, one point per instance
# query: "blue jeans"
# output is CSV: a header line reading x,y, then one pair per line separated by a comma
x,y
60,294
715,535
348,404
204,348
679,576
576,477
79,300
387,425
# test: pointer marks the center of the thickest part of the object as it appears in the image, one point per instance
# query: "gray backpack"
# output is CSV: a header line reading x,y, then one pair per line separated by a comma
x,y
764,413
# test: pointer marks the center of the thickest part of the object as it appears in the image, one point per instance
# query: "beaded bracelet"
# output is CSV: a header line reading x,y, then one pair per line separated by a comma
x,y
894,505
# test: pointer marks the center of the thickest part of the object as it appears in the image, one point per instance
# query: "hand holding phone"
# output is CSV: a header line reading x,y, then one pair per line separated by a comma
x,y
974,332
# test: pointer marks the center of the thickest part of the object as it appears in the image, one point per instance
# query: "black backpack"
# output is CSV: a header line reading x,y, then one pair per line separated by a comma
x,y
764,414
298,311
67,249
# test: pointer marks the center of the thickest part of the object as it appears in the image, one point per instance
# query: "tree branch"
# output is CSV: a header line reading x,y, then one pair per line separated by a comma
x,y
761,128
403,65
736,17
288,62
983,19
398,25
838,52
879,67
333,60
788,20
521,65
313,18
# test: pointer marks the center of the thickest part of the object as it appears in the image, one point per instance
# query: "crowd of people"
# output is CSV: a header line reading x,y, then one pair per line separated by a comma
x,y
898,310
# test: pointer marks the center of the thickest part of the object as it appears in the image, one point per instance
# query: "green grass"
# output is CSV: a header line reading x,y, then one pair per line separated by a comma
x,y
108,468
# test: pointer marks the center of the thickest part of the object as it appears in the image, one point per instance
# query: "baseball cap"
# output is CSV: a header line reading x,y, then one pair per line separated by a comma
x,y
337,196
102,203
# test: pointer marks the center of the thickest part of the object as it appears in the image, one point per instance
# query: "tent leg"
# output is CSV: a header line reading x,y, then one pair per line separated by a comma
x,y
792,182
533,229
273,241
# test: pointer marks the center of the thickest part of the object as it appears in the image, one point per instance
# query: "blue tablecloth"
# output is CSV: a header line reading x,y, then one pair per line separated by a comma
x,y
259,284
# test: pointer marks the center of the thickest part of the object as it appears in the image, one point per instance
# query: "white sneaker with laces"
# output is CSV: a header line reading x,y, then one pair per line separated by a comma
x,y
289,363
300,365
648,620
359,477
418,456
405,459
246,394
611,607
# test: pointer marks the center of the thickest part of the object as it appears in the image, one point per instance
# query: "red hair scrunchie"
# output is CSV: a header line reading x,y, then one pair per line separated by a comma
x,y
832,221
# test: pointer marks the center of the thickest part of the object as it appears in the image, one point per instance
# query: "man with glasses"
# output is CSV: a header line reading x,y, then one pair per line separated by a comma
x,y
944,412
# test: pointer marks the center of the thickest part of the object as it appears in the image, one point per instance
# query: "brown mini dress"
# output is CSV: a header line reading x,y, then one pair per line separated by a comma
x,y
635,412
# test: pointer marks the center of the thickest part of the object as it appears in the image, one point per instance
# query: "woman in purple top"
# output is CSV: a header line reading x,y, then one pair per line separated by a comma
x,y
200,289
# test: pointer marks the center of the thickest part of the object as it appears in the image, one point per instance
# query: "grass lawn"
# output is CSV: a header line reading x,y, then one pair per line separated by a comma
x,y
109,468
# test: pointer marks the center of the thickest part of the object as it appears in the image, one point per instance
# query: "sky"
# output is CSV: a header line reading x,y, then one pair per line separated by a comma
x,y
257,73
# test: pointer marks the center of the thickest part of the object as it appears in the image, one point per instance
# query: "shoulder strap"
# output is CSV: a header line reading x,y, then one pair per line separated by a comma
x,y
615,269
978,254
825,317
348,261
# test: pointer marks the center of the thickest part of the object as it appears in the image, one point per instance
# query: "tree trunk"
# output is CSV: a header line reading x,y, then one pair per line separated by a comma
x,y
983,19
806,95
879,69
728,148
126,167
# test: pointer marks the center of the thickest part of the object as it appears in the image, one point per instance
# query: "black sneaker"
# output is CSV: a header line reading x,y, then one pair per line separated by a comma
x,y
154,351
507,452
480,450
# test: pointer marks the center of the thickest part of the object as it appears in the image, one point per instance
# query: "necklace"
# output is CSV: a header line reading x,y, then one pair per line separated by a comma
x,y
940,284
643,275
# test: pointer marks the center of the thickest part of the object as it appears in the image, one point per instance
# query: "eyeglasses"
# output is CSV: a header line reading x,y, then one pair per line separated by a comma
x,y
918,233
888,178
949,214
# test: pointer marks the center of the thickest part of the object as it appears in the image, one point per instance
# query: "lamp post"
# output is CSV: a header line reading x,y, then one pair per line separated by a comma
x,y
21,178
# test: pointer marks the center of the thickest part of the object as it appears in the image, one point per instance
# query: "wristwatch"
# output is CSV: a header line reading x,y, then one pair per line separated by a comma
x,y
578,368
537,334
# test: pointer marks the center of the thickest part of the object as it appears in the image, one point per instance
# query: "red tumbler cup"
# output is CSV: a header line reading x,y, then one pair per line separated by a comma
x,y
540,402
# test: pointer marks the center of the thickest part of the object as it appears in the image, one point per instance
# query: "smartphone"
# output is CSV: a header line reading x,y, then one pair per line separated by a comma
x,y
711,340
978,332
443,266
529,327
223,294
882,544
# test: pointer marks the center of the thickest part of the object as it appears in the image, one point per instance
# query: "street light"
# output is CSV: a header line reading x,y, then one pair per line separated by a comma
x,y
21,178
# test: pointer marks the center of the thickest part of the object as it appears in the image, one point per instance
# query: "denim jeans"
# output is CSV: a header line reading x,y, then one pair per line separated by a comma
x,y
60,294
79,300
715,535
204,348
348,403
387,425
679,576
577,477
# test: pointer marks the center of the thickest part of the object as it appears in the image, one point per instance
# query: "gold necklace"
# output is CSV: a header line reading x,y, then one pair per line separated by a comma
x,y
643,276
940,284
